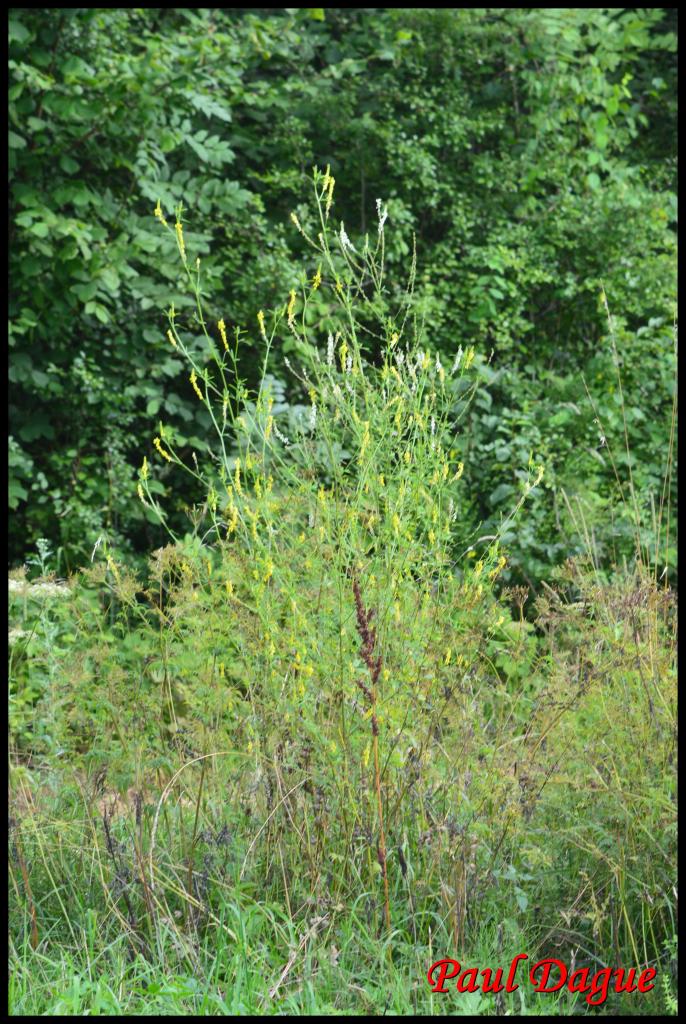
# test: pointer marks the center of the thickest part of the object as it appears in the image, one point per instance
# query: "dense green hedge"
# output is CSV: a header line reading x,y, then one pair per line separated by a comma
x,y
531,151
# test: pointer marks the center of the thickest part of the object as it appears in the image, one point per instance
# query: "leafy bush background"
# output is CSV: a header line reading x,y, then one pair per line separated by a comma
x,y
532,152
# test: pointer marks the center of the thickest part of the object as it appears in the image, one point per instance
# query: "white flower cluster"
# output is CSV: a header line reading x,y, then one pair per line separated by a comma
x,y
345,241
282,437
23,587
383,214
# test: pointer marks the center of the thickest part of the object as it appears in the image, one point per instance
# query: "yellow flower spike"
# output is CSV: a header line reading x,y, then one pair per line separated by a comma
x,y
339,286
171,338
317,279
382,480
159,214
478,568
460,471
165,455
222,332
329,199
237,477
539,475
448,656
260,321
179,238
268,428
396,523
140,493
365,439
113,569
295,221
194,381
407,457
209,567
342,353
144,468
291,309
432,537
395,338
221,669
469,357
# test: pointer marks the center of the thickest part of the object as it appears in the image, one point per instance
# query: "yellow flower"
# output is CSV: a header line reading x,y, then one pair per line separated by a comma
x,y
171,338
163,453
140,493
179,239
260,320
448,656
296,222
291,309
144,468
329,199
342,353
194,381
222,331
469,357
317,279
365,438
233,521
237,477
159,214
460,471
396,523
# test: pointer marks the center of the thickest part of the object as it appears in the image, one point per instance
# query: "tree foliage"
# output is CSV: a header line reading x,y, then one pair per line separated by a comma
x,y
530,151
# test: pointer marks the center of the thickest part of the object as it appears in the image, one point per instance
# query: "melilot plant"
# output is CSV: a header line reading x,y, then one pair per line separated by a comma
x,y
311,526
